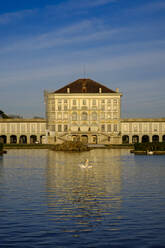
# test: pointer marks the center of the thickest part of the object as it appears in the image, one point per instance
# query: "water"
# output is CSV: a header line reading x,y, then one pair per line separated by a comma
x,y
47,200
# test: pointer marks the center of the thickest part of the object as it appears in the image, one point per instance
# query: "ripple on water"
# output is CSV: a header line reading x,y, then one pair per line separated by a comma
x,y
46,200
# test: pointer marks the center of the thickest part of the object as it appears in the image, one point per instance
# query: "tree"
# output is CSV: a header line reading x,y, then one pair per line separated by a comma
x,y
3,115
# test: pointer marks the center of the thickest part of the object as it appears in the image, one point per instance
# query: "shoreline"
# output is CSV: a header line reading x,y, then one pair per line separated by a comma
x,y
49,146
145,153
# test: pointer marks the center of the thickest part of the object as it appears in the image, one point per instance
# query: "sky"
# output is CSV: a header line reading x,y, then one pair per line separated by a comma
x,y
46,44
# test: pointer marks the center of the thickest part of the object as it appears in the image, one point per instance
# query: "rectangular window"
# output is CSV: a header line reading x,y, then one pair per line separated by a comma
x,y
65,107
65,101
74,102
115,127
109,128
115,115
94,102
8,127
125,127
59,128
43,127
155,127
52,128
84,102
59,107
109,116
12,127
102,116
18,128
102,107
102,128
65,128
3,128
53,107
65,116
23,128
145,127
59,116
135,127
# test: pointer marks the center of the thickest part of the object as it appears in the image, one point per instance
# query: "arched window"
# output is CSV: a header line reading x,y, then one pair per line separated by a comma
x,y
74,116
84,116
94,116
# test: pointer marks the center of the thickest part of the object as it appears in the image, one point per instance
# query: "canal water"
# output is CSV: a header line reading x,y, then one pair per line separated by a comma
x,y
48,200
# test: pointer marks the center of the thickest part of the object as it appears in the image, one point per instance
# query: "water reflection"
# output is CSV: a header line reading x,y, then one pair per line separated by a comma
x,y
47,200
85,195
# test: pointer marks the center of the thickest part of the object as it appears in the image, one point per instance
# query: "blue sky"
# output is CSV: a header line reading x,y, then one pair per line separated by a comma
x,y
45,44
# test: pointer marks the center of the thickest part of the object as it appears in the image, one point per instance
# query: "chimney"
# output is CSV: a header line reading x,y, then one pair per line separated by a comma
x,y
84,88
100,90
117,90
68,90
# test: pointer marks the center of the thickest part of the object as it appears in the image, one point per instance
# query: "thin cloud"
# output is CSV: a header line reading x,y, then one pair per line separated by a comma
x,y
74,4
85,31
148,8
153,7
140,61
12,16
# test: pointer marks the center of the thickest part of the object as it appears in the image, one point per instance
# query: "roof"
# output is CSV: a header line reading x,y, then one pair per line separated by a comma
x,y
84,85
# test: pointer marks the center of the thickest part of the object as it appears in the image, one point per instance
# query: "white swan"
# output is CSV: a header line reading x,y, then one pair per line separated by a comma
x,y
85,164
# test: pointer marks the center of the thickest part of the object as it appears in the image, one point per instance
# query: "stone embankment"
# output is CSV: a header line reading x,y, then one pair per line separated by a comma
x,y
153,148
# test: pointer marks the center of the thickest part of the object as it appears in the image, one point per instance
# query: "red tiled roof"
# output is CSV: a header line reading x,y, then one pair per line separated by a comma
x,y
85,85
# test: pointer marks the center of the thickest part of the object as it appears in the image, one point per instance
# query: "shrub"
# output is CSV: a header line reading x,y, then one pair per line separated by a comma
x,y
152,146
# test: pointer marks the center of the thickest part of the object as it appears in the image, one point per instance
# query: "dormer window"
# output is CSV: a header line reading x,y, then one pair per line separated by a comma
x,y
84,90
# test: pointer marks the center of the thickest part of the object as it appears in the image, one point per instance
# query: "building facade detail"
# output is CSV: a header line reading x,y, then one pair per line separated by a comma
x,y
22,131
83,110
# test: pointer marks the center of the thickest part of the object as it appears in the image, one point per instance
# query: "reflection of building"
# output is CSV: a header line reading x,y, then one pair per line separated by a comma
x,y
83,110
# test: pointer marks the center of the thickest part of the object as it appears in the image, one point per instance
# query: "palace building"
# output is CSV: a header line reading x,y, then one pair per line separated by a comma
x,y
83,110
